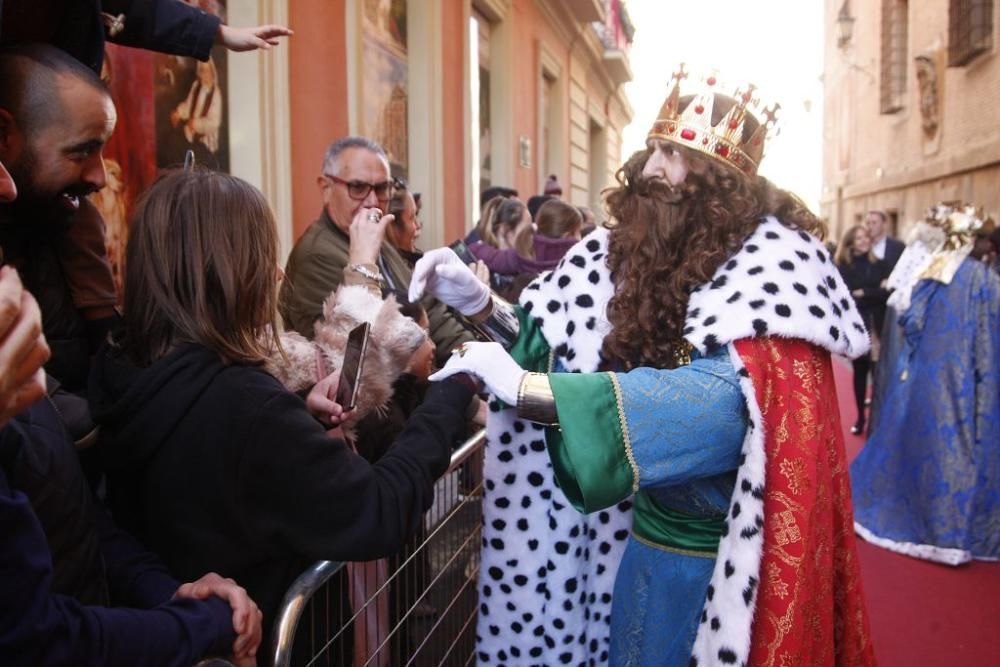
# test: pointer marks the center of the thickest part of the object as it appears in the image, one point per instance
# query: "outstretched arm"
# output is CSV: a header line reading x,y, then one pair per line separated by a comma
x,y
619,432
42,628
174,27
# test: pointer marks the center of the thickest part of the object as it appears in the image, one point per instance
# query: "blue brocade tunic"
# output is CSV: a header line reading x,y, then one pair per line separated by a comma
x,y
927,483
684,428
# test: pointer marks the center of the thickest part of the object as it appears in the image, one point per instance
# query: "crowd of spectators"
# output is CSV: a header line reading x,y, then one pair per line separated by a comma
x,y
146,439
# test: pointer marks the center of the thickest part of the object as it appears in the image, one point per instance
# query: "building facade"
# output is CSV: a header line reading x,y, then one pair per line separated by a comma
x,y
463,94
909,114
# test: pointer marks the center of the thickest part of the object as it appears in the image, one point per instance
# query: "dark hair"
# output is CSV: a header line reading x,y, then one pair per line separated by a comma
x,y
881,214
201,268
30,75
557,219
535,203
509,214
396,207
676,238
334,150
495,191
398,200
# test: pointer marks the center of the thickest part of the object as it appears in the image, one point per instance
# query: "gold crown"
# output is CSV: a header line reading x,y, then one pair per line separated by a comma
x,y
724,141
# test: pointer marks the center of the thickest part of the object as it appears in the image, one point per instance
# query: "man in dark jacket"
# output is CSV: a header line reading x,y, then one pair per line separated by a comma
x,y
55,118
884,247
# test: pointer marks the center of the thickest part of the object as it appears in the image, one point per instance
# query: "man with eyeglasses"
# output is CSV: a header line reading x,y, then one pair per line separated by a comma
x,y
341,248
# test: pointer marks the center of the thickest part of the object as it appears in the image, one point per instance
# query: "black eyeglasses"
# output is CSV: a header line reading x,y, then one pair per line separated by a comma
x,y
358,190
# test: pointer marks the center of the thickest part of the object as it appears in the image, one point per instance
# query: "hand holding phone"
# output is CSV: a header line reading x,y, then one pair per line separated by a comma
x,y
349,384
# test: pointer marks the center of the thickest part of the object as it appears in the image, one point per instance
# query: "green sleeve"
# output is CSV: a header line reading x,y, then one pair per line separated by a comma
x,y
590,449
531,350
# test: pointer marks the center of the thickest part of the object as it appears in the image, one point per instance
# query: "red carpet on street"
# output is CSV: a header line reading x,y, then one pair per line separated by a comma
x,y
923,614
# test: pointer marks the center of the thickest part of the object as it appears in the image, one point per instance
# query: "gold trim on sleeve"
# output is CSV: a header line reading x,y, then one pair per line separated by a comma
x,y
625,436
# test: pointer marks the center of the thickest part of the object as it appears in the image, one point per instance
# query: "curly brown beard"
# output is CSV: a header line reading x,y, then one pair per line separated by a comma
x,y
665,242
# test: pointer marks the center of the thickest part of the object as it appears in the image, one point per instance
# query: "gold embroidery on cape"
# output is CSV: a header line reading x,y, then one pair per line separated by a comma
x,y
795,547
781,433
794,471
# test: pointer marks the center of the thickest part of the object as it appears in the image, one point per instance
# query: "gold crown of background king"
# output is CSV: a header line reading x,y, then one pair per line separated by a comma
x,y
723,141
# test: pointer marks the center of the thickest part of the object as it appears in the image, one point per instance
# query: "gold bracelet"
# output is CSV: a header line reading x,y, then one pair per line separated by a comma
x,y
535,401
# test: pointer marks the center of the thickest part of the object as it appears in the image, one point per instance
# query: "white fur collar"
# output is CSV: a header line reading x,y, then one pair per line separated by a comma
x,y
782,282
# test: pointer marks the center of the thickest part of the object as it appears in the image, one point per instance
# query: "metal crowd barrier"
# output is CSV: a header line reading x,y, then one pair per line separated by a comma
x,y
415,608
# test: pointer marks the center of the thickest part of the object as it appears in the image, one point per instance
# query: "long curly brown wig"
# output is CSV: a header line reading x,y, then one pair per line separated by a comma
x,y
666,241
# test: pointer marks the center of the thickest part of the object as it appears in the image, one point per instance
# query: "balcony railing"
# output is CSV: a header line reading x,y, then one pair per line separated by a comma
x,y
615,34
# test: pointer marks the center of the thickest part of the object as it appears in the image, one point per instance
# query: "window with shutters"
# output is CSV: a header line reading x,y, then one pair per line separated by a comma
x,y
892,77
970,30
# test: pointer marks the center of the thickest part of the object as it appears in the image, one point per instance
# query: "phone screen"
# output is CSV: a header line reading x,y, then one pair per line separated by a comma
x,y
354,361
463,252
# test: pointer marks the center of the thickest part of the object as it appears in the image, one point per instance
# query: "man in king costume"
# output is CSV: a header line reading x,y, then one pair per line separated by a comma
x,y
927,482
681,396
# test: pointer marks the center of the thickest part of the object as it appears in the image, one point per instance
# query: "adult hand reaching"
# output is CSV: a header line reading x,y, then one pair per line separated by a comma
x,y
246,615
250,39
442,274
490,363
23,348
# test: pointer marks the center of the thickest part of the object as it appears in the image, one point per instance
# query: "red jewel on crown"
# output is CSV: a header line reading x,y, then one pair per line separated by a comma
x,y
688,135
722,150
699,109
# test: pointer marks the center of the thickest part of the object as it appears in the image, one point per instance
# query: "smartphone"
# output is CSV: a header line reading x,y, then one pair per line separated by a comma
x,y
463,252
354,363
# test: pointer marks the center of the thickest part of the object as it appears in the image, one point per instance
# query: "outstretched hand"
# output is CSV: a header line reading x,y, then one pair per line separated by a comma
x,y
250,39
246,615
490,363
441,273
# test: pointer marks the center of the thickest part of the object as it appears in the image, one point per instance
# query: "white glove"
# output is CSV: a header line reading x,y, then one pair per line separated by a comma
x,y
442,274
490,363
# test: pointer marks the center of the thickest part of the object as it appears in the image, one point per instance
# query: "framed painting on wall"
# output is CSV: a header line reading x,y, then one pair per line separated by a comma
x,y
166,105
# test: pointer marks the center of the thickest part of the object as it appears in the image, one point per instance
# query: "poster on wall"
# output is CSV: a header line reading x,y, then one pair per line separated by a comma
x,y
166,105
384,92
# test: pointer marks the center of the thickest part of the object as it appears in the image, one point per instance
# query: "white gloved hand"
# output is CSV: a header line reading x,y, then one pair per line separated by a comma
x,y
490,363
442,274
